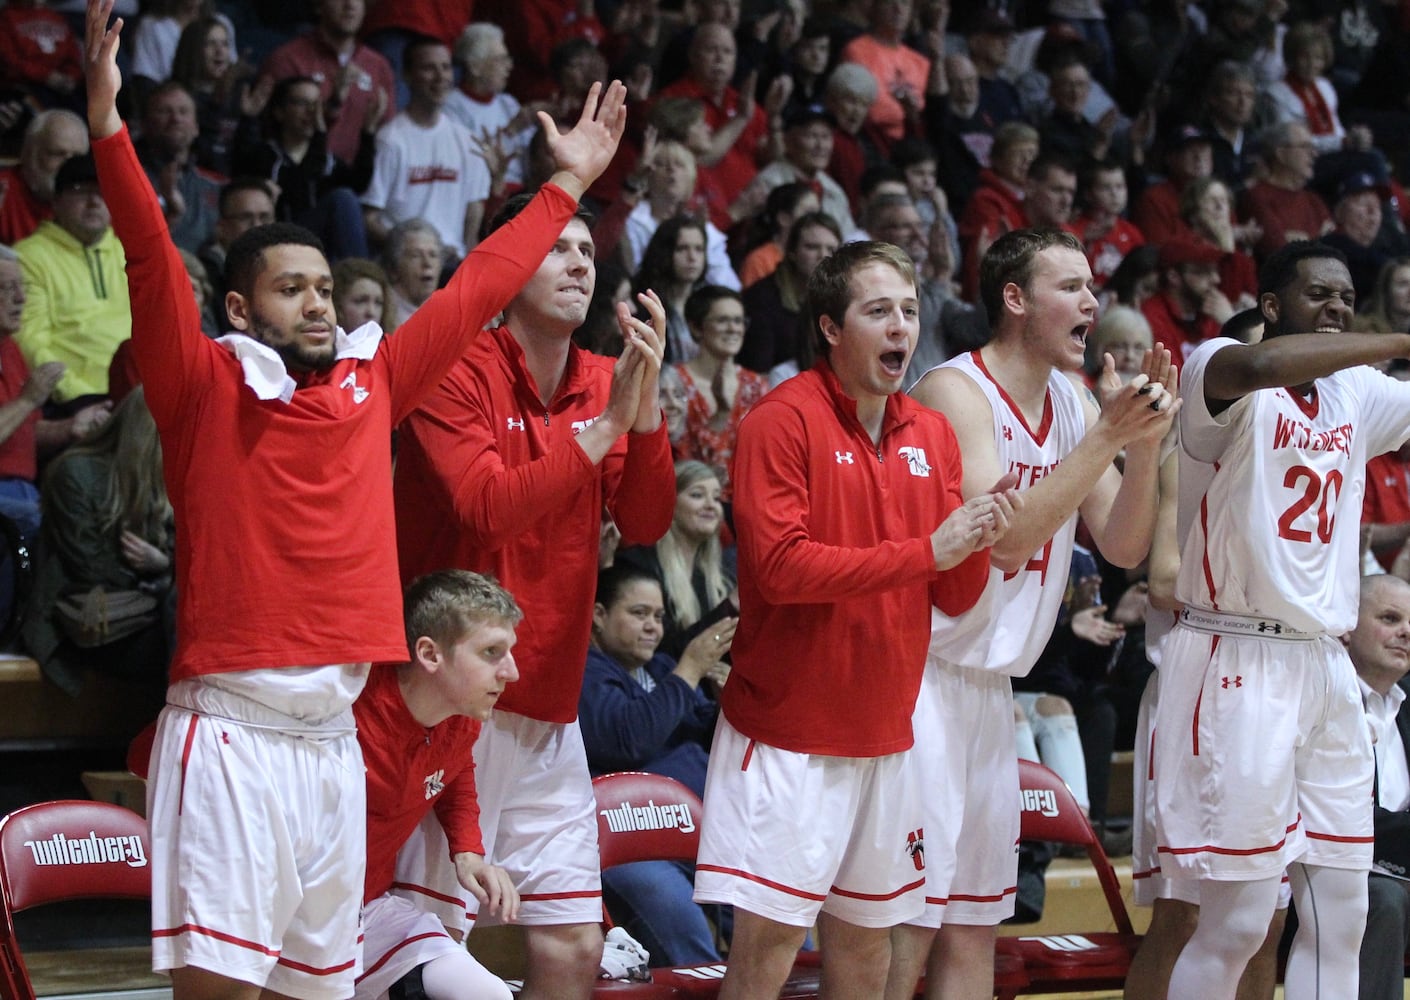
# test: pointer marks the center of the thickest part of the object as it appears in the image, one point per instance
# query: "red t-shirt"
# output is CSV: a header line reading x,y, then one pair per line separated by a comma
x,y
410,771
20,211
738,166
285,540
1387,498
1171,328
489,479
836,572
17,457
1284,215
1106,252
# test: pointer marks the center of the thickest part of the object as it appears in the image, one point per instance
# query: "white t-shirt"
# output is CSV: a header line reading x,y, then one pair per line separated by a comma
x,y
428,173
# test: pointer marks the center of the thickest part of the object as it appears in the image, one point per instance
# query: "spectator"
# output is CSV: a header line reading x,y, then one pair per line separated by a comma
x,y
1205,208
39,55
1135,280
989,39
362,294
107,525
427,167
158,31
774,304
672,398
1281,202
809,59
27,189
670,190
1377,647
1229,104
807,151
167,150
1189,155
25,436
1189,308
1125,334
961,130
643,710
316,189
695,568
916,160
898,106
350,75
412,256
1065,128
1049,190
997,205
75,279
712,63
718,391
1357,212
226,105
1385,510
785,203
851,91
1100,225
1389,301
1304,95
673,265
244,203
482,104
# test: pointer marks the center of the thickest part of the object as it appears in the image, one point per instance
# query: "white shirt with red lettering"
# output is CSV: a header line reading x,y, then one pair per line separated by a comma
x,y
1007,630
1271,490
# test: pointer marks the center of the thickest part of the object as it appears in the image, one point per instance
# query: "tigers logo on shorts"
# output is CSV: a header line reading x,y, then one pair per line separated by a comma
x,y
915,847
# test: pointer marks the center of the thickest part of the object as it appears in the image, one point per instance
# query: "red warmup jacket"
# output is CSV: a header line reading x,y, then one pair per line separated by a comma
x,y
285,540
836,573
991,211
489,479
410,771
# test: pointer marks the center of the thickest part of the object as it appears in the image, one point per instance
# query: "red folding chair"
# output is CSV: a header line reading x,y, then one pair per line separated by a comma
x,y
650,817
1069,962
57,851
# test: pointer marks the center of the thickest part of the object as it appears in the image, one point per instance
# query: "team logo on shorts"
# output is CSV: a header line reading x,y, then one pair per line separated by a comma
x,y
915,847
1236,681
435,783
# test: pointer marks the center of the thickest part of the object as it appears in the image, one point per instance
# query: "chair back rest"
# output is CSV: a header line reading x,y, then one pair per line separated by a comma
x,y
55,851
645,817
1050,813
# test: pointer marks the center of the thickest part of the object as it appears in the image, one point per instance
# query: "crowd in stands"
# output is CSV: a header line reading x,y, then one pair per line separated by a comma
x,y
1182,142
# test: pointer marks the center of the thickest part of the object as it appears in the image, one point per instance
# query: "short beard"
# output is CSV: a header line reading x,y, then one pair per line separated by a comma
x,y
296,357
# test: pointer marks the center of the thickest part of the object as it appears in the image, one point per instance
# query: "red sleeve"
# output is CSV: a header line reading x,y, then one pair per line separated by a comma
x,y
437,334
642,496
771,469
493,503
173,356
458,809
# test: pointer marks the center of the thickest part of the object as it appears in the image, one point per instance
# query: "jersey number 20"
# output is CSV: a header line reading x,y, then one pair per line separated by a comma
x,y
1316,491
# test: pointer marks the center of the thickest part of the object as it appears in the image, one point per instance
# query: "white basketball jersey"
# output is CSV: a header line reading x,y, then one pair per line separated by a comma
x,y
1007,630
1271,490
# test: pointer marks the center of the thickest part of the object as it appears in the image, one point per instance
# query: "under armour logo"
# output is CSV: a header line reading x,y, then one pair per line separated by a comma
x,y
435,783
1273,627
359,393
915,847
225,737
844,458
1238,681
515,425
915,458
1008,433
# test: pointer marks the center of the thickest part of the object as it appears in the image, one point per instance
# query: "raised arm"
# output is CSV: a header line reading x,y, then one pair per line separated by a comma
x,y
1240,369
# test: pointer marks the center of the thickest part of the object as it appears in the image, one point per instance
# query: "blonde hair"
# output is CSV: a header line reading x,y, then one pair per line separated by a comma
x,y
681,558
